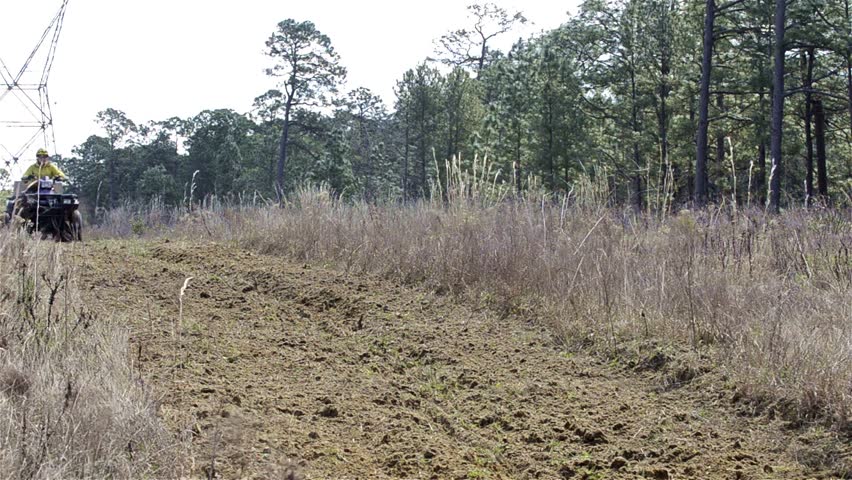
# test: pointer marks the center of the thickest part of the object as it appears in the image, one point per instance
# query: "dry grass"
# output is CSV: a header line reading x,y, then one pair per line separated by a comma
x,y
70,403
768,299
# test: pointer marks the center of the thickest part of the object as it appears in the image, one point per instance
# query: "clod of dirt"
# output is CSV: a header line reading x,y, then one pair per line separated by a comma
x,y
596,437
487,420
618,463
654,362
287,411
658,474
681,377
741,457
633,455
288,471
567,472
329,411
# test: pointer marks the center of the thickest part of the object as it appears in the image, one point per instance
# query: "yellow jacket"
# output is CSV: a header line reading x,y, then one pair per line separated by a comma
x,y
40,171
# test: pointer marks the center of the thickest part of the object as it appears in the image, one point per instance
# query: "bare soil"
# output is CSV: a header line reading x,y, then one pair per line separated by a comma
x,y
352,377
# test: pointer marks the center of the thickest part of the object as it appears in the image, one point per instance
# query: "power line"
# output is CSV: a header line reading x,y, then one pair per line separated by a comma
x,y
33,98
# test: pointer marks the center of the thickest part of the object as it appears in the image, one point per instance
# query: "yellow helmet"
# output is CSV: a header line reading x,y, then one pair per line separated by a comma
x,y
42,153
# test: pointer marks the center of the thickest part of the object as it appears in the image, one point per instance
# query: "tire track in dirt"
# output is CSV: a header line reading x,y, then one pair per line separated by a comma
x,y
356,378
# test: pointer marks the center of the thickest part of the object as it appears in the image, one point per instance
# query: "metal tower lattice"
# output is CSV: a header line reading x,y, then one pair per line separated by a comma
x,y
27,91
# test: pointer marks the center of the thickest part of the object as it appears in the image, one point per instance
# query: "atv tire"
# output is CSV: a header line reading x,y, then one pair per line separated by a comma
x,y
65,234
76,226
70,230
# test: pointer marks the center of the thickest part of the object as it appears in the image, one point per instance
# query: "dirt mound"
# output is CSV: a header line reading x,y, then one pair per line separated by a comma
x,y
274,365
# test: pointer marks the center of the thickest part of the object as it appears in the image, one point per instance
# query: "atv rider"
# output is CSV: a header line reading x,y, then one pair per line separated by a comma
x,y
42,168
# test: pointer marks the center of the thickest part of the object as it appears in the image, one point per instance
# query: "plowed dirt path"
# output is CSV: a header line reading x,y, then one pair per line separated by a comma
x,y
355,378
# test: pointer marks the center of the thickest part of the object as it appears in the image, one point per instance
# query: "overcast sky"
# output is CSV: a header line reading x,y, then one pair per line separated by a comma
x,y
156,59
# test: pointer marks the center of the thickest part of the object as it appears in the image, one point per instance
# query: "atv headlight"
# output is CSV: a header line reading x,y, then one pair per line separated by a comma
x,y
67,201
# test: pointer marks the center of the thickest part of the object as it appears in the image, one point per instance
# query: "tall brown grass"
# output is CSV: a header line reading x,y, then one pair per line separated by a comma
x,y
71,406
768,299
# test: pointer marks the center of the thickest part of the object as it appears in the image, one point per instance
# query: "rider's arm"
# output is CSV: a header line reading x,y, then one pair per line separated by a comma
x,y
56,173
31,173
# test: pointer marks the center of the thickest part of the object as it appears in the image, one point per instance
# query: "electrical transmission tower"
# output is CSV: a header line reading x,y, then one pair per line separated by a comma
x,y
25,113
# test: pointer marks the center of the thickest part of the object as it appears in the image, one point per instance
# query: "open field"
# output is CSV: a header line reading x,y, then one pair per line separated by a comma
x,y
512,340
599,239
768,299
350,376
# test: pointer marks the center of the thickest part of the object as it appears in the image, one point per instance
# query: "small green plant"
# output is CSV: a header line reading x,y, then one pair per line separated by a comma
x,y
592,474
137,226
478,473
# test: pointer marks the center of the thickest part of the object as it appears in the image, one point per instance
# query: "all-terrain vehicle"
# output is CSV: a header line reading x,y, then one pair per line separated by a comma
x,y
43,207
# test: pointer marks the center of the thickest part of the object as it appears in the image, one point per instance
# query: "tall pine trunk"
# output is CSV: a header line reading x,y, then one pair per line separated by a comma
x,y
638,197
282,153
421,165
849,85
665,46
368,157
822,173
406,152
760,177
778,106
704,107
759,185
689,183
849,65
808,60
663,114
664,124
551,170
111,177
518,168
421,142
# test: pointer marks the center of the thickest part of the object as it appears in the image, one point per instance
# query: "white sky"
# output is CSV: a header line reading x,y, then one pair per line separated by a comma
x,y
154,59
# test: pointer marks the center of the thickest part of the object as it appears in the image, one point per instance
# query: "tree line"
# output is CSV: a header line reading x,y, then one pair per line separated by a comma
x,y
663,101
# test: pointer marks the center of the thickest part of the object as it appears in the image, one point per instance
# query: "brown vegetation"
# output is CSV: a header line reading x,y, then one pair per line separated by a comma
x,y
70,403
